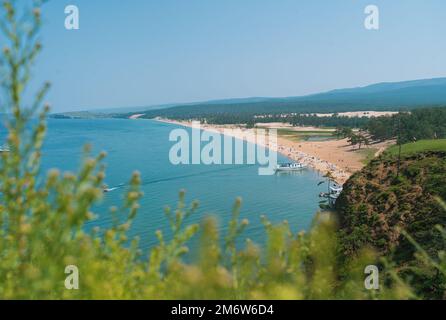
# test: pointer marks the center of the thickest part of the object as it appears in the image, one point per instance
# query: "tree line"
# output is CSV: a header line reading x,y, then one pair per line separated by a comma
x,y
406,127
425,123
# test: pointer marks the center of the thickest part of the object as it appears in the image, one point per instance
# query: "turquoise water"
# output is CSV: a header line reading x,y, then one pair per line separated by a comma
x,y
144,145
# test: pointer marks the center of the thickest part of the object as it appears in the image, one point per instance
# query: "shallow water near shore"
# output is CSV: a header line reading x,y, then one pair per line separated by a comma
x,y
144,145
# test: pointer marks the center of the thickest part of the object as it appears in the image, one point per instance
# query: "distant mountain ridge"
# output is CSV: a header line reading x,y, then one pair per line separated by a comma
x,y
395,94
383,86
380,96
378,88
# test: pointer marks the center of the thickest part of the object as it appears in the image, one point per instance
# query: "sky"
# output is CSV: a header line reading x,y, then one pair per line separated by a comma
x,y
149,52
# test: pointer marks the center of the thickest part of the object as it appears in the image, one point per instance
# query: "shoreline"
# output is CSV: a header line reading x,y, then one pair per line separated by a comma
x,y
290,149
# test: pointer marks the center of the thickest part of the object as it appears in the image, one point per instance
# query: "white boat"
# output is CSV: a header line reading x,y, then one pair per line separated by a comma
x,y
105,189
335,192
290,166
4,149
333,195
336,189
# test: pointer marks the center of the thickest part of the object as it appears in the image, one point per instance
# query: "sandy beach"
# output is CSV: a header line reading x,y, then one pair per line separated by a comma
x,y
136,116
335,156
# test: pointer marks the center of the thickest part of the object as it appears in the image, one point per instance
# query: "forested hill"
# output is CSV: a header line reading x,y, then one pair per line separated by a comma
x,y
382,96
379,202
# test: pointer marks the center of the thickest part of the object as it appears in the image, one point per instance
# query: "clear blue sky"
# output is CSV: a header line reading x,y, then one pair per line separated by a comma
x,y
145,52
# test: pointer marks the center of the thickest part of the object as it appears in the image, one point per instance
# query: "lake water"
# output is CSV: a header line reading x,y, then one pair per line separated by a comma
x,y
144,145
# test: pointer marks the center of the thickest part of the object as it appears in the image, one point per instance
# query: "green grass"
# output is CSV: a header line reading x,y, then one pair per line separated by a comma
x,y
303,135
419,146
309,132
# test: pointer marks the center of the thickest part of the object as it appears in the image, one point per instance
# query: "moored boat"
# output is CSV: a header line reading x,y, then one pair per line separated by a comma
x,y
291,166
4,149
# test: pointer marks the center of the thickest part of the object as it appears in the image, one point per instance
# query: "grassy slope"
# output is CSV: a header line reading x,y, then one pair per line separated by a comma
x,y
297,136
419,146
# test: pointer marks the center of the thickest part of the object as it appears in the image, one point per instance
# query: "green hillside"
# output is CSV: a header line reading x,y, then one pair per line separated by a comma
x,y
379,204
419,146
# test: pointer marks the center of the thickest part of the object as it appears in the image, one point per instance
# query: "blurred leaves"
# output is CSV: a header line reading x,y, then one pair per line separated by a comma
x,y
42,225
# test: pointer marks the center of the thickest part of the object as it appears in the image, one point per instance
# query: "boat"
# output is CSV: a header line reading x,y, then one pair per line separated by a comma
x,y
291,166
4,149
105,189
332,195
323,195
336,190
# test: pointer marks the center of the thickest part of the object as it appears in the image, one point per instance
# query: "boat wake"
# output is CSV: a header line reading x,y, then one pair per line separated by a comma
x,y
148,182
106,190
153,181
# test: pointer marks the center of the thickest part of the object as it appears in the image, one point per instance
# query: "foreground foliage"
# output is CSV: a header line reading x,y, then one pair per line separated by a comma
x,y
42,219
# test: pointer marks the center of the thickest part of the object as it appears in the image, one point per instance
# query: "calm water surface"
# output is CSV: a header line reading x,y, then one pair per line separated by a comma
x,y
144,145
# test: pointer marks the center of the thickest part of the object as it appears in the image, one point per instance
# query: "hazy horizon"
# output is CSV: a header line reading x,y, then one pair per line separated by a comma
x,y
237,98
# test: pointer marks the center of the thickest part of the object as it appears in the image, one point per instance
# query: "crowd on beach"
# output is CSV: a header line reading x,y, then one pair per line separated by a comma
x,y
323,166
289,150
